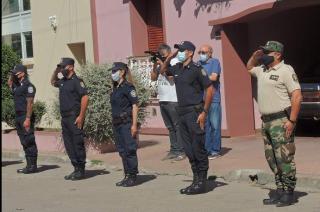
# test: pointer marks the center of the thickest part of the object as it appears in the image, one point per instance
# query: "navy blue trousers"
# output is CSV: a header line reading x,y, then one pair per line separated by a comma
x,y
127,148
27,138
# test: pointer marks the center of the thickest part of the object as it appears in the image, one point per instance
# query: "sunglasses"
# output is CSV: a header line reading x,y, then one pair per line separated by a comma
x,y
202,52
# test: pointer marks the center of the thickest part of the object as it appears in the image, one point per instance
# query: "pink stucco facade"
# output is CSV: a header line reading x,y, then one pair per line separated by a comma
x,y
114,38
121,31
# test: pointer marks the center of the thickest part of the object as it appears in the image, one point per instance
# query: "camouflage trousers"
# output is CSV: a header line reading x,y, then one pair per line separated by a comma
x,y
279,152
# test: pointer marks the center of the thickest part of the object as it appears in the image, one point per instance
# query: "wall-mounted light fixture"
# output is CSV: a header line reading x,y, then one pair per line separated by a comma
x,y
53,22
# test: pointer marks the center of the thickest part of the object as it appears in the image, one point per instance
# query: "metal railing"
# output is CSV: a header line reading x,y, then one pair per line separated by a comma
x,y
141,66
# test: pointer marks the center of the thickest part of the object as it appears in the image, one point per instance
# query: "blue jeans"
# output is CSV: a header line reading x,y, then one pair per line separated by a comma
x,y
213,129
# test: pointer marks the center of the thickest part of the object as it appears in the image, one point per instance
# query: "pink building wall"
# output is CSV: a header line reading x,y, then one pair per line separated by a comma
x,y
120,32
113,25
139,32
192,24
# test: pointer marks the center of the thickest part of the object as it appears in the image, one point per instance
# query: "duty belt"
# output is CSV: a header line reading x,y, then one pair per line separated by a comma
x,y
188,109
274,116
123,118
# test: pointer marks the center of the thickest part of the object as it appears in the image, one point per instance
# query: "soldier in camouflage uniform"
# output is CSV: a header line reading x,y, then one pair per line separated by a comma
x,y
279,99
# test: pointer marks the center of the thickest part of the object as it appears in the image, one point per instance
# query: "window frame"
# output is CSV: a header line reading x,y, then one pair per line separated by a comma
x,y
20,12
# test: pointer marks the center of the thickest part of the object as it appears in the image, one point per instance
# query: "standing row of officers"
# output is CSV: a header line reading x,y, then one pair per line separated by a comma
x,y
279,98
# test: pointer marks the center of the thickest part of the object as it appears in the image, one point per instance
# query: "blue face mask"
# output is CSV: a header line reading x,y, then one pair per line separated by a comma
x,y
181,56
116,76
203,57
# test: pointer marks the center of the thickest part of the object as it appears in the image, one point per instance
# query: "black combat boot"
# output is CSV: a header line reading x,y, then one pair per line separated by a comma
x,y
130,181
70,176
194,181
287,198
274,197
31,166
120,183
199,187
78,174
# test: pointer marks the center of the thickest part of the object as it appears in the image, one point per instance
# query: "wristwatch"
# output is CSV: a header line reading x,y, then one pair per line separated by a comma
x,y
293,122
205,111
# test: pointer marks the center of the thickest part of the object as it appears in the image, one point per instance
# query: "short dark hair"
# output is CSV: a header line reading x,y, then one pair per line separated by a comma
x,y
164,46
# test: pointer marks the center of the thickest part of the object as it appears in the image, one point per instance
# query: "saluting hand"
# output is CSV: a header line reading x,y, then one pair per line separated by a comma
x,y
257,54
289,128
26,124
79,122
134,130
201,120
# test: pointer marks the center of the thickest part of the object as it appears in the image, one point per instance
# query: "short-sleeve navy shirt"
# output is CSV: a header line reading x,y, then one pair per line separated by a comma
x,y
70,93
191,81
122,98
22,91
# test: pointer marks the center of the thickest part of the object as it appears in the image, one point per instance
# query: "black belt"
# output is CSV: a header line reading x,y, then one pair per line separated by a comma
x,y
273,116
122,119
188,109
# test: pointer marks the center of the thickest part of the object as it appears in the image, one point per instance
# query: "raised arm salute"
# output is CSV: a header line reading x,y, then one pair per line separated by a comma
x,y
279,98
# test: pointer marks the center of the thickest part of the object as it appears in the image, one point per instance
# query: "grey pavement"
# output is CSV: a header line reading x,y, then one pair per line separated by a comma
x,y
48,191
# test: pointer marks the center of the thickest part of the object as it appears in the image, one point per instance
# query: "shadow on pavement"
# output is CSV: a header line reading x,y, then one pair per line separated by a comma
x,y
225,150
96,172
297,194
143,144
43,168
144,178
13,162
212,184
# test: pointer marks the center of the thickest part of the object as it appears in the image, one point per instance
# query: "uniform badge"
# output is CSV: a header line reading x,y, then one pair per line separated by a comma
x,y
204,73
30,89
294,77
274,77
82,84
133,93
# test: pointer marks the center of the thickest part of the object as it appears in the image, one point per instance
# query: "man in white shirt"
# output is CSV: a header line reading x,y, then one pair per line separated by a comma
x,y
168,101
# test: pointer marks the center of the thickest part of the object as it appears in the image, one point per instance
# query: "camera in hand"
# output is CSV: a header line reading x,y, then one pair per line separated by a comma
x,y
155,55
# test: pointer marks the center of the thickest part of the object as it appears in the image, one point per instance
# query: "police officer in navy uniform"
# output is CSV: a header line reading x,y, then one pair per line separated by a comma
x,y
192,83
124,106
23,92
73,98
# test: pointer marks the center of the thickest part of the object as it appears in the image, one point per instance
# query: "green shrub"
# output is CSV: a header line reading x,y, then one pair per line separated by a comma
x,y
98,123
8,60
39,109
8,112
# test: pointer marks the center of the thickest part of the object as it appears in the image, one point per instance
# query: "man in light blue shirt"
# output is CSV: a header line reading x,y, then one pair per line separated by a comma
x,y
213,122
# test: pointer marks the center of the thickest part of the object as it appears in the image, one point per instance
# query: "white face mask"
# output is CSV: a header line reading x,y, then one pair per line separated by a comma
x,y
116,76
181,56
203,57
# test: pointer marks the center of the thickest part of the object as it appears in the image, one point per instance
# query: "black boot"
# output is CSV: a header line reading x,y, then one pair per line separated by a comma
x,y
79,174
274,197
286,199
199,187
70,176
130,181
31,166
120,183
194,181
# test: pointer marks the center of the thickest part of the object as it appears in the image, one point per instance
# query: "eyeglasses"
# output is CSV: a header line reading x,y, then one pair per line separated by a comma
x,y
202,52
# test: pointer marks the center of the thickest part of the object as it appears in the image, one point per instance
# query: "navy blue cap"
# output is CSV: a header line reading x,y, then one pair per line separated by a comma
x,y
19,68
66,61
185,45
118,66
